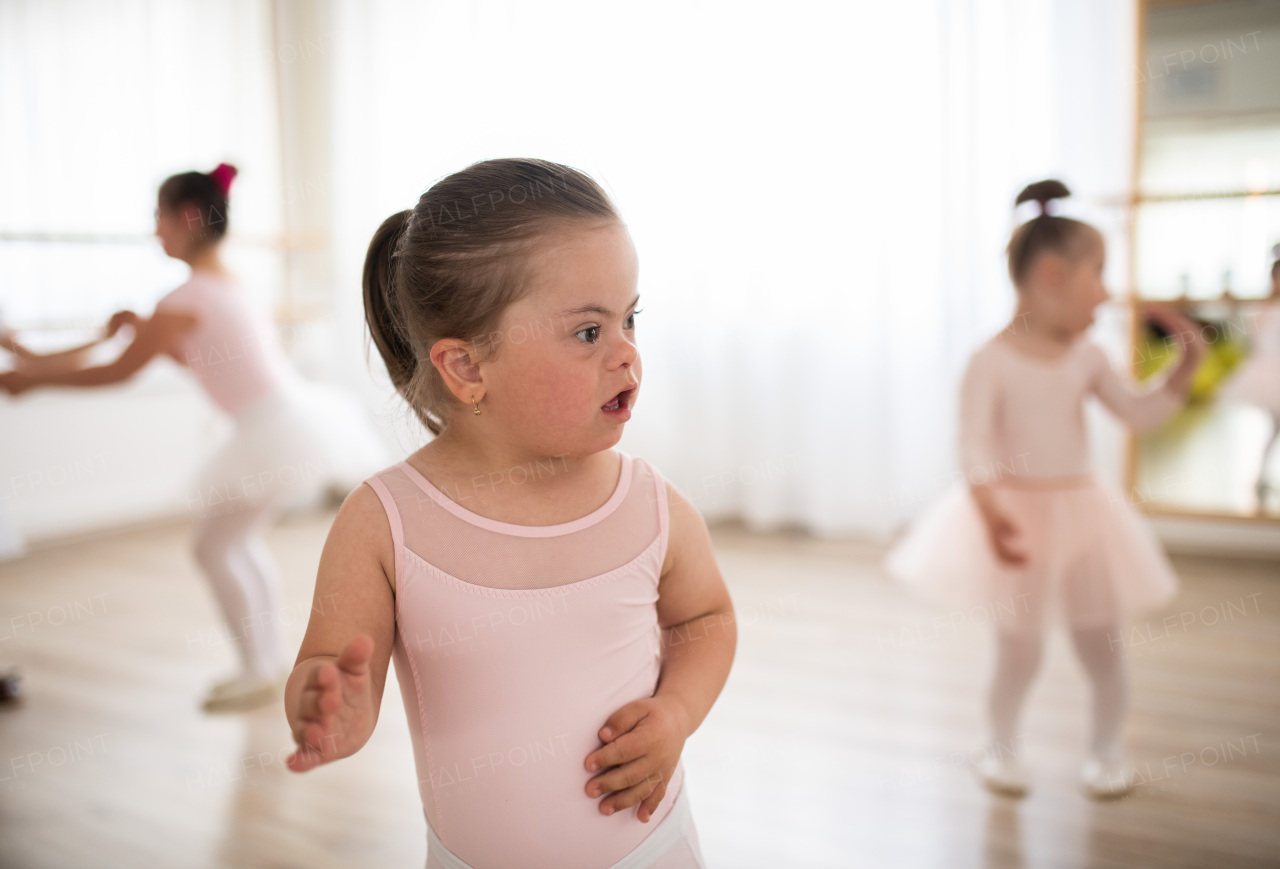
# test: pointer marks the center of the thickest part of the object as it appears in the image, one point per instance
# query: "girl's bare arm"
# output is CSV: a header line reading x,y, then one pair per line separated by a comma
x,y
644,739
334,693
152,338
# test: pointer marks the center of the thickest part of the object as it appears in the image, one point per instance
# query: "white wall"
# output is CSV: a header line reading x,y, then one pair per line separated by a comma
x,y
79,461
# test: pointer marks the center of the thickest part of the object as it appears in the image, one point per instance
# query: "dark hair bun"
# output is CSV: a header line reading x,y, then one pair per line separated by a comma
x,y
223,176
1043,192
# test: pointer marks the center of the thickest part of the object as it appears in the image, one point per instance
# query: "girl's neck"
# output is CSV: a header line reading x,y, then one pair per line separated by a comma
x,y
462,452
207,260
1032,333
514,485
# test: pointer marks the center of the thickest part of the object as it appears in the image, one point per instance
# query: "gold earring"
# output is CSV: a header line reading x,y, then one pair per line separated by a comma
x,y
476,406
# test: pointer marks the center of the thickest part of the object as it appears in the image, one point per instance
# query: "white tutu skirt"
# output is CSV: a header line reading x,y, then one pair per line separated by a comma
x,y
290,446
1092,560
1256,382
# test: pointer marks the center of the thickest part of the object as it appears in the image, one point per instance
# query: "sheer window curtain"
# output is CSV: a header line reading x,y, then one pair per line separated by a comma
x,y
98,103
820,195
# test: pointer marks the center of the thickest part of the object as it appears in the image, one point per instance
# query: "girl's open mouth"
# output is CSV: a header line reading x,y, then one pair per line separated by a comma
x,y
619,402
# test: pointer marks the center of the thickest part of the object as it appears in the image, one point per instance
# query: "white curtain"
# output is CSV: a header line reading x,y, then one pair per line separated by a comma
x,y
99,102
820,194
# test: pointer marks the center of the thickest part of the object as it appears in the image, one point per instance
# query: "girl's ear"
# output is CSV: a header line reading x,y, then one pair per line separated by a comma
x,y
191,217
1049,269
455,360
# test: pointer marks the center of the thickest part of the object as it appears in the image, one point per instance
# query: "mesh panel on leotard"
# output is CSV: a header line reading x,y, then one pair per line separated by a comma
x,y
498,555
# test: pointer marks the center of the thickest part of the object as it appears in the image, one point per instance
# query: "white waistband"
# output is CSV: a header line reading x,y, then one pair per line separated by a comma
x,y
661,840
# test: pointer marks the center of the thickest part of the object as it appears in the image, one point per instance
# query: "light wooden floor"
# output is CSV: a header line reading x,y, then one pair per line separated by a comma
x,y
841,739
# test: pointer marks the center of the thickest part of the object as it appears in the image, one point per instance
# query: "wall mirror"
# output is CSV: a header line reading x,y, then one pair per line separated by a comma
x,y
1205,236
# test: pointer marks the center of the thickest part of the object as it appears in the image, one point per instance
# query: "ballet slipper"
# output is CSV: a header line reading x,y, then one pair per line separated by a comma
x,y
1003,775
10,687
1106,780
242,693
234,684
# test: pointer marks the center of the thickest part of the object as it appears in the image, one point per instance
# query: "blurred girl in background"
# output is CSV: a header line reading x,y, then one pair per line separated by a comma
x,y
210,326
1035,537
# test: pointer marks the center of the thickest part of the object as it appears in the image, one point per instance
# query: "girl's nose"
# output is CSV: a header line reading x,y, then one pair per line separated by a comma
x,y
626,352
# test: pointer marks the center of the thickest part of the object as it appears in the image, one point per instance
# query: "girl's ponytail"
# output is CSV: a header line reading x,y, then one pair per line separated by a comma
x,y
381,307
1043,233
1043,192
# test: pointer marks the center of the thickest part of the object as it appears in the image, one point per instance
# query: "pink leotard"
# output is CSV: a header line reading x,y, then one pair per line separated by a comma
x,y
1023,417
513,646
231,350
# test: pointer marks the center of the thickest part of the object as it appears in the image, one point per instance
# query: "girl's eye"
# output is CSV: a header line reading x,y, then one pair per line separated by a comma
x,y
631,321
595,334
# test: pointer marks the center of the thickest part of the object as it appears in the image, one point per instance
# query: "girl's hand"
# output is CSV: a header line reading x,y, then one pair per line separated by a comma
x,y
1187,335
119,319
14,382
1006,539
643,741
1177,325
1005,536
1170,319
336,711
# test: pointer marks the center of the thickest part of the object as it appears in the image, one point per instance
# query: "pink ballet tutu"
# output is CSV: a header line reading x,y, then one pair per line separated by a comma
x,y
1092,560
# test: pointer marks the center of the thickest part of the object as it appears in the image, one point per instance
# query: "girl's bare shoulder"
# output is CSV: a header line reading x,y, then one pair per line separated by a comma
x,y
361,535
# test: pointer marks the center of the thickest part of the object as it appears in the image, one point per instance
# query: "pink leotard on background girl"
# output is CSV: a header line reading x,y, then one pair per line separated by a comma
x,y
230,350
513,645
289,433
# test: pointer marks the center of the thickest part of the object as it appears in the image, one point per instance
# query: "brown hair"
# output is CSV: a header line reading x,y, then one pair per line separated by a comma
x,y
450,266
1043,233
208,192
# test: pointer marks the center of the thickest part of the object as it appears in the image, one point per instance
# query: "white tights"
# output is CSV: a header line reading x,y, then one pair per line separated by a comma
x,y
245,580
1261,485
1017,661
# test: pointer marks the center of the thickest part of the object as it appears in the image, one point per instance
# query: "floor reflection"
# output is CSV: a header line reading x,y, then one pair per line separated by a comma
x,y
1003,839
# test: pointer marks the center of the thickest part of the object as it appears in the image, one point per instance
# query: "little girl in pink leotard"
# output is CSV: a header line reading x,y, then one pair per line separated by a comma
x,y
1035,538
522,573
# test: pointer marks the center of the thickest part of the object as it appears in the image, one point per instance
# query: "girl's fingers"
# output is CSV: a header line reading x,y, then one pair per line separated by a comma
x,y
1013,554
313,736
300,732
354,660
309,703
310,751
627,798
623,720
619,724
650,803
324,676
330,700
1007,548
620,778
318,701
625,748
302,760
